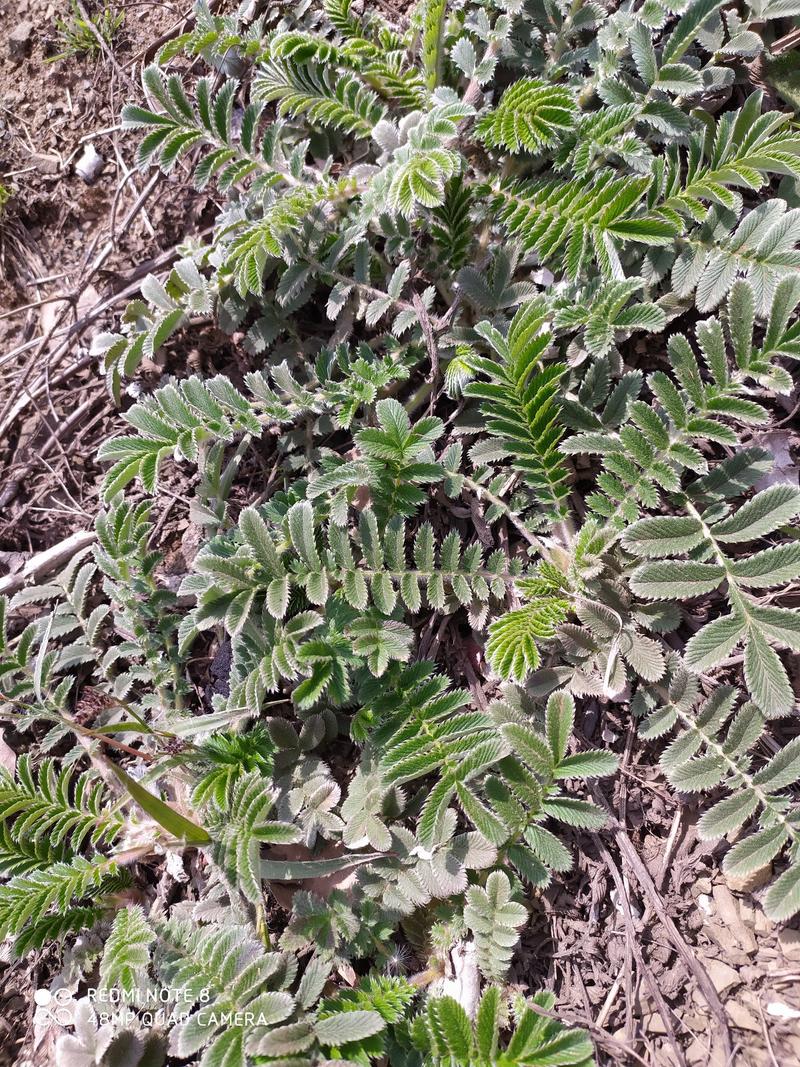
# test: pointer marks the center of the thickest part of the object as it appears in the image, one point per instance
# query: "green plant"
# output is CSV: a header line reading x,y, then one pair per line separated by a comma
x,y
447,1035
707,536
513,305
82,34
713,750
494,918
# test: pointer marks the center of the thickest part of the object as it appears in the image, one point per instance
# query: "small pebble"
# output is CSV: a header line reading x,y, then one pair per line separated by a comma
x,y
704,902
46,164
90,164
20,40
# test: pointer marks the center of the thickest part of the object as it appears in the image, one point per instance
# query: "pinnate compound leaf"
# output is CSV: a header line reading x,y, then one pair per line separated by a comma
x,y
529,116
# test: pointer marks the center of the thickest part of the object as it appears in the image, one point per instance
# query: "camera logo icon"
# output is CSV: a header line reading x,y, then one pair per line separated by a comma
x,y
58,1004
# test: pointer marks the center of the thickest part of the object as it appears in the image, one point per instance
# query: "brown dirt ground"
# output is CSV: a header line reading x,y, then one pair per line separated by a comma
x,y
578,942
51,233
